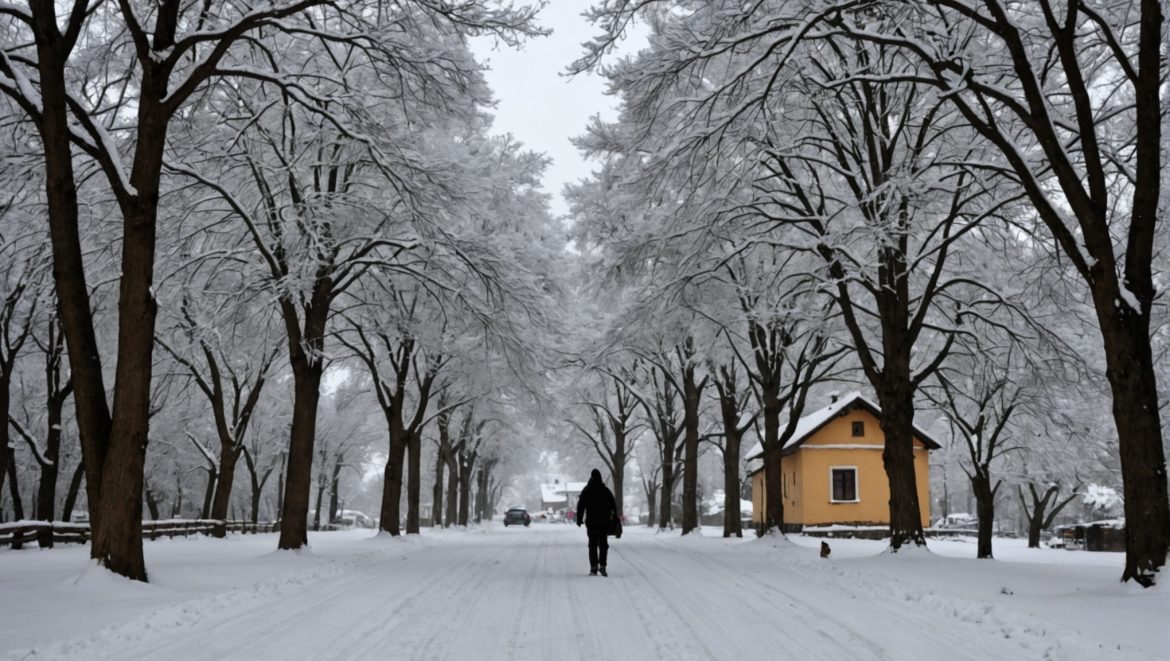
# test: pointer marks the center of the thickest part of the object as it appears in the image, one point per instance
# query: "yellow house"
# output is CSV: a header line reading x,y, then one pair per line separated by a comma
x,y
832,468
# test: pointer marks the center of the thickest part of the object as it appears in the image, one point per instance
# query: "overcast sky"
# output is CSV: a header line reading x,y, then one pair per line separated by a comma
x,y
541,107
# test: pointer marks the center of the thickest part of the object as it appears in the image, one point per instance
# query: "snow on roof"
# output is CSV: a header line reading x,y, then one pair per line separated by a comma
x,y
552,493
1104,523
817,419
556,493
713,504
712,508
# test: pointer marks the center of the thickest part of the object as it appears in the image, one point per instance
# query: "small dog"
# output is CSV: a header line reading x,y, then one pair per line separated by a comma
x,y
825,549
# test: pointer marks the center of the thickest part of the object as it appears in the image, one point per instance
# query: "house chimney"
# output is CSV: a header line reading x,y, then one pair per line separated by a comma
x,y
832,398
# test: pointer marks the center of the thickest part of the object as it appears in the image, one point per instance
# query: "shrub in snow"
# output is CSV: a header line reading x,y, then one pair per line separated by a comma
x,y
1102,500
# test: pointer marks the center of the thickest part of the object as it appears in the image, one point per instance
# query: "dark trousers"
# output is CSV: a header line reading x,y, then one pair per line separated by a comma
x,y
598,548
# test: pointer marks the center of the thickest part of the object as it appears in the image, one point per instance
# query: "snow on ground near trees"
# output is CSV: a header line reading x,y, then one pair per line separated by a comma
x,y
523,593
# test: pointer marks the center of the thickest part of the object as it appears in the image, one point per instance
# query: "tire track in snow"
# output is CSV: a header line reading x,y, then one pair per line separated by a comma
x,y
793,606
522,595
336,607
779,625
203,614
895,601
655,635
397,630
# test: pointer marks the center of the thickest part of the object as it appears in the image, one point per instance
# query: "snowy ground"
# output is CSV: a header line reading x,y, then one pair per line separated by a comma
x,y
514,593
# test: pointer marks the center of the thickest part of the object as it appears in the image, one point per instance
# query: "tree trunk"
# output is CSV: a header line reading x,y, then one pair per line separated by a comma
x,y
278,505
1039,517
177,506
209,493
151,502
1143,463
665,515
1034,532
5,405
117,542
729,411
92,410
47,489
480,493
14,490
391,513
1036,514
333,487
113,447
619,473
464,501
444,459
228,456
413,481
483,499
452,515
896,395
71,494
257,486
320,499
691,393
254,513
294,509
773,463
466,466
437,491
985,510
652,506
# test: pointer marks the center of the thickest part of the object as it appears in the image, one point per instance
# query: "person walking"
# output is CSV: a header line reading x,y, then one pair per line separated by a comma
x,y
596,509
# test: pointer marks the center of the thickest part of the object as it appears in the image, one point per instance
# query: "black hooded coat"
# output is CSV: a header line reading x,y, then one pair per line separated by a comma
x,y
596,507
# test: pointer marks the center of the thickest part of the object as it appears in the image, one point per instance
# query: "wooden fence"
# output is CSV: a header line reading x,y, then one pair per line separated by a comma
x,y
18,533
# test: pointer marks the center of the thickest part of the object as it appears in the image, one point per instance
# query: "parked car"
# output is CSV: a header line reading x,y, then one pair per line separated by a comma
x,y
517,515
347,519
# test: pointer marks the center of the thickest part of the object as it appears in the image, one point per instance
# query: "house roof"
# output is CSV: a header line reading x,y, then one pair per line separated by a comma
x,y
552,493
555,493
810,424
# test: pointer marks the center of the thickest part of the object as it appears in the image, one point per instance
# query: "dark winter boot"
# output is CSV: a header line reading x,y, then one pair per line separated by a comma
x,y
603,571
593,571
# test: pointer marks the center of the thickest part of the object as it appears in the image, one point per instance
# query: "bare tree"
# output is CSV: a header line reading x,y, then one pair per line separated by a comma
x,y
667,425
16,326
732,413
232,388
612,407
1080,125
1040,511
404,418
979,408
1073,104
177,49
48,456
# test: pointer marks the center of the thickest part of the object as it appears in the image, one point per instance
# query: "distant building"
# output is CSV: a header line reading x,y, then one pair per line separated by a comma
x,y
832,468
712,514
560,494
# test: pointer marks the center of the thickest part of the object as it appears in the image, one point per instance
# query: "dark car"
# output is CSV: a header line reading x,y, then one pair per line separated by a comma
x,y
517,515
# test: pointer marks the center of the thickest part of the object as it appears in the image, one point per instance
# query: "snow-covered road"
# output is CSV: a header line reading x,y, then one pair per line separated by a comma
x,y
524,594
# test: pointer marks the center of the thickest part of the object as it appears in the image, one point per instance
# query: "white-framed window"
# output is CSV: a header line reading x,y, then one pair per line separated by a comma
x,y
843,484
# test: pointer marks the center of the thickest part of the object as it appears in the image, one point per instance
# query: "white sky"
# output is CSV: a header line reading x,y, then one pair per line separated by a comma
x,y
543,108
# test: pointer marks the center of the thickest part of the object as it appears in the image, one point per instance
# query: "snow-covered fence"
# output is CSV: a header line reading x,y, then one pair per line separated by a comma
x,y
25,532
